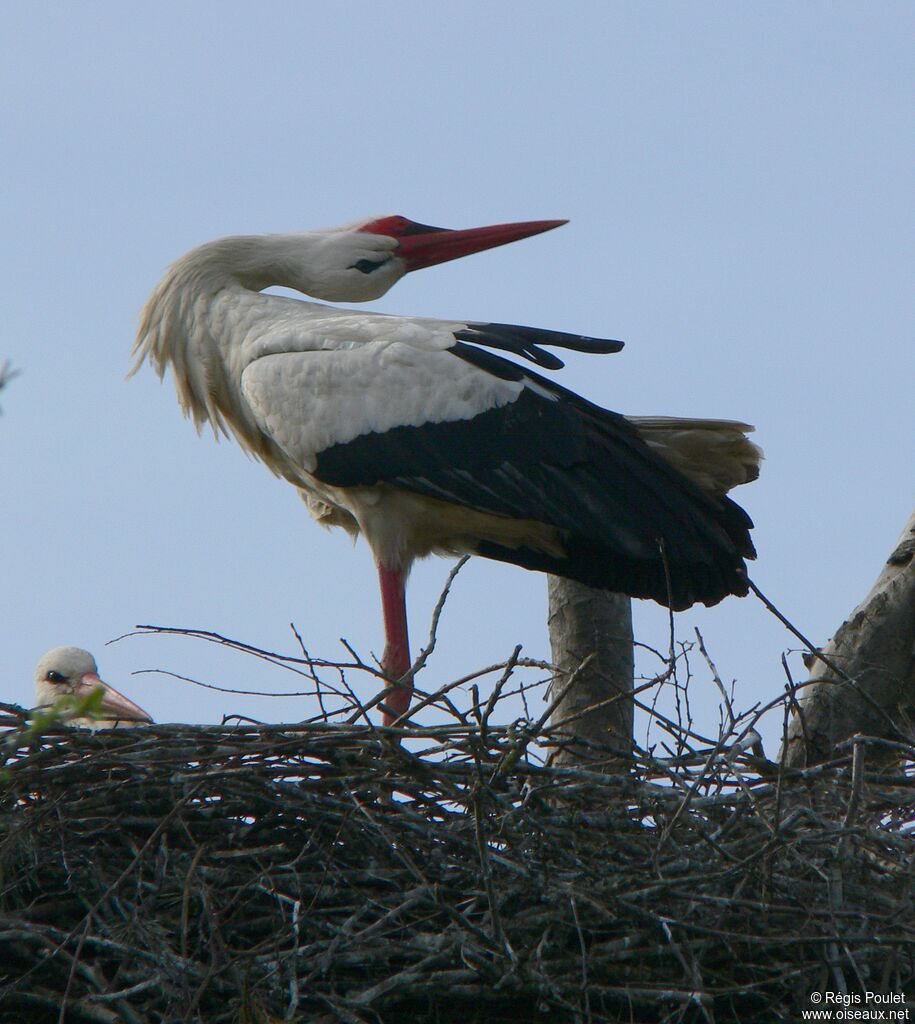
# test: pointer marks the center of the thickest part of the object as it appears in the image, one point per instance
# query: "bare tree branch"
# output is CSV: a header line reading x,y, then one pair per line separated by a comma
x,y
864,679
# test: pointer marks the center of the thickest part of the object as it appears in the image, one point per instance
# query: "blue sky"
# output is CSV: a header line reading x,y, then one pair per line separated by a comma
x,y
737,179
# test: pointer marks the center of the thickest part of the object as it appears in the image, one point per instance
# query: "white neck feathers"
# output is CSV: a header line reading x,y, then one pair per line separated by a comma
x,y
198,314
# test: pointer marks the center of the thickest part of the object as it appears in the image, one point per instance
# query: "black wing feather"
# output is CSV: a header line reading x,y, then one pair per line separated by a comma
x,y
628,521
526,342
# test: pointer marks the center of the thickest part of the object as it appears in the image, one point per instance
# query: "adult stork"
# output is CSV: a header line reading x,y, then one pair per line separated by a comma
x,y
71,672
419,435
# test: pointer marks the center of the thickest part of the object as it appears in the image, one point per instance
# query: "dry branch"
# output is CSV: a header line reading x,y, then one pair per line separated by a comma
x,y
7,373
863,681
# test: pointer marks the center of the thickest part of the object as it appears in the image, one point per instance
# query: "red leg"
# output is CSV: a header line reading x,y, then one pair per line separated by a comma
x,y
396,659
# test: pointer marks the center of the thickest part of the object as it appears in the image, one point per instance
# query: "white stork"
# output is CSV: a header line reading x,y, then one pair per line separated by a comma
x,y
417,434
71,672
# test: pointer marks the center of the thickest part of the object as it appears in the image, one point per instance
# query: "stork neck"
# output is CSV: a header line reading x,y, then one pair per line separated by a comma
x,y
255,261
198,320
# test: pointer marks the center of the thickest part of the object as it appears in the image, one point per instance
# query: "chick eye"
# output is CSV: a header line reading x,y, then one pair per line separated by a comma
x,y
367,266
55,677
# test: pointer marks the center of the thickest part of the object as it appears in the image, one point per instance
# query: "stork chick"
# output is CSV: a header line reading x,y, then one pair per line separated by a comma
x,y
71,672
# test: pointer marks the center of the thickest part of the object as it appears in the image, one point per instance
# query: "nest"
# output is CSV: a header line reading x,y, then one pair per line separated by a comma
x,y
340,872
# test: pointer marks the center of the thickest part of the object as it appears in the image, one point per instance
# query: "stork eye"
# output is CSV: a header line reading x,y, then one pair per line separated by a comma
x,y
367,266
55,677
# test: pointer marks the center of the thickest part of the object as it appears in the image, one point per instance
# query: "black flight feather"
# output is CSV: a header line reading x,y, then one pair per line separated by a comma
x,y
627,520
526,342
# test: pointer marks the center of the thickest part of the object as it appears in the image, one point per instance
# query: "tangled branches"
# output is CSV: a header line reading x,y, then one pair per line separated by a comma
x,y
341,872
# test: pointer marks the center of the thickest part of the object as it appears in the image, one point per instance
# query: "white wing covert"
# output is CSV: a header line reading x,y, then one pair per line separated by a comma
x,y
310,401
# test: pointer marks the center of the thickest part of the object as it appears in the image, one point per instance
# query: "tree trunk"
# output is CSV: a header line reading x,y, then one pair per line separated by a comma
x,y
866,684
582,622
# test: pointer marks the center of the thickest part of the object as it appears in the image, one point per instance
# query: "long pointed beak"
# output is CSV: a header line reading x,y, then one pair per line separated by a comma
x,y
120,706
441,244
421,245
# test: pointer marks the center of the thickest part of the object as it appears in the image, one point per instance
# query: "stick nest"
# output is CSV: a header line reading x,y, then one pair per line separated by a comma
x,y
333,873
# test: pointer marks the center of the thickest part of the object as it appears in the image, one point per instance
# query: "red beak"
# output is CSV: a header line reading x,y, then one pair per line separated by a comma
x,y
423,246
120,706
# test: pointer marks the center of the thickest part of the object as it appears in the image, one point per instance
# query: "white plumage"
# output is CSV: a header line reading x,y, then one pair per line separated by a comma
x,y
308,401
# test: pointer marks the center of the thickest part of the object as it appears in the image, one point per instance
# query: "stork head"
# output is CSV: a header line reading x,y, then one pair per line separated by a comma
x,y
72,672
361,261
